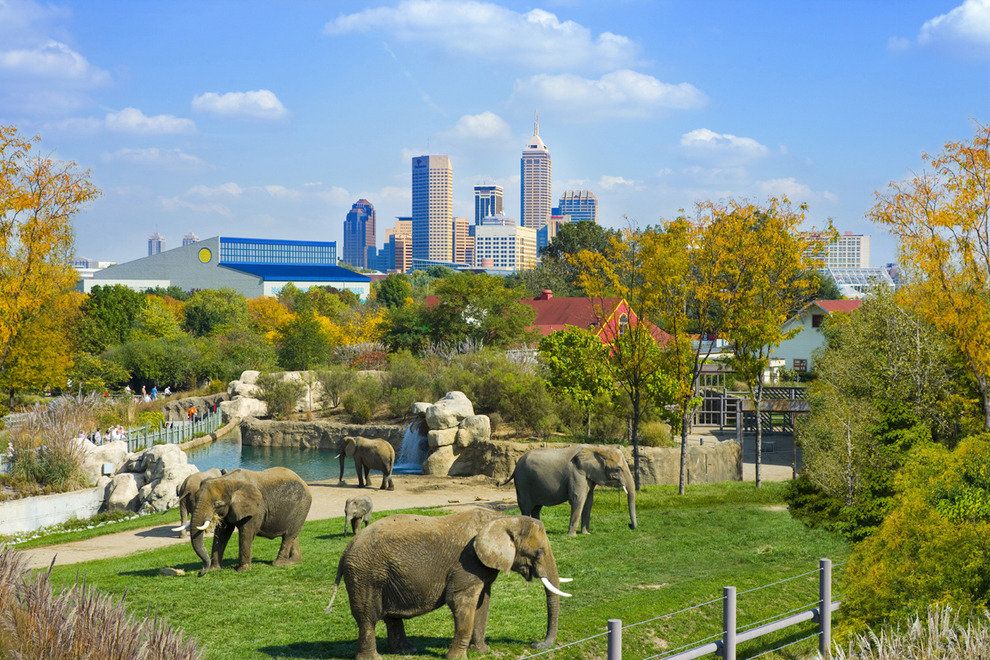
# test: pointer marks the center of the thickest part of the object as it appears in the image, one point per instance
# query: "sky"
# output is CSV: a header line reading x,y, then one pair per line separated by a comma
x,y
269,119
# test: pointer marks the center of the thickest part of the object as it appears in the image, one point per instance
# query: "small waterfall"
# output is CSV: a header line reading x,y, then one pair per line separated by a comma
x,y
413,449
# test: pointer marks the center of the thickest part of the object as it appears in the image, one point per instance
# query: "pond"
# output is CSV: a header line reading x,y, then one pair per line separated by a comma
x,y
228,453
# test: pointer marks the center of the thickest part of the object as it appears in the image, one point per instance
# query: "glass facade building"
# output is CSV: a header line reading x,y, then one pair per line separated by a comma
x,y
487,201
272,251
359,233
580,205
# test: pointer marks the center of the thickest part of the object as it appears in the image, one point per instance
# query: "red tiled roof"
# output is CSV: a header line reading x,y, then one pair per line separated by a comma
x,y
839,305
557,313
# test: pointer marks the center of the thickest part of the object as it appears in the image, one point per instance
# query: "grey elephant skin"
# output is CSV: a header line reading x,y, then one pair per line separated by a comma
x,y
187,491
356,511
368,454
405,565
271,503
547,477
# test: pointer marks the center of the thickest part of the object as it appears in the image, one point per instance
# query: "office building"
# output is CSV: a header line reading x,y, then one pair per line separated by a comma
x,y
498,219
462,239
190,238
504,247
400,239
253,266
546,233
432,208
848,250
359,233
580,205
535,182
156,243
487,201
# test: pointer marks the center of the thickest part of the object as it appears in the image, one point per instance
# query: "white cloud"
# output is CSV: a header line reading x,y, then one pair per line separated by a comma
x,y
175,158
610,183
621,93
132,120
208,208
53,60
259,104
483,126
724,148
481,29
897,44
794,190
281,192
969,23
229,189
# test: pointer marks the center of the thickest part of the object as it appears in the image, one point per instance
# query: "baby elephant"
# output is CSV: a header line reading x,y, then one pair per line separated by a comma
x,y
356,511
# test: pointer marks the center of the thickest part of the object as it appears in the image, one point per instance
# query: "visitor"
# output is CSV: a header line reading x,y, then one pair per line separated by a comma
x,y
97,437
192,413
168,391
82,436
154,392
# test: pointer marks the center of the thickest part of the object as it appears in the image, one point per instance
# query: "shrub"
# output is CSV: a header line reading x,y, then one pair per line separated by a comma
x,y
45,448
941,633
363,398
370,360
400,401
334,381
151,418
281,396
656,434
410,373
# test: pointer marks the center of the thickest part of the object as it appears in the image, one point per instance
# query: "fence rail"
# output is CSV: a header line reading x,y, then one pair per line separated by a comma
x,y
173,432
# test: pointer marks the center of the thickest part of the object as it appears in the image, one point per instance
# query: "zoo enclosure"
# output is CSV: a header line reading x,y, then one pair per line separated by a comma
x,y
175,432
729,409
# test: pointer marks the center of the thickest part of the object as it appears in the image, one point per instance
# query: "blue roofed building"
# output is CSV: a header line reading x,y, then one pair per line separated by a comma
x,y
253,266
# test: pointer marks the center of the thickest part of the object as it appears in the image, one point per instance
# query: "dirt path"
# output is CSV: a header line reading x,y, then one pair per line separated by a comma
x,y
328,502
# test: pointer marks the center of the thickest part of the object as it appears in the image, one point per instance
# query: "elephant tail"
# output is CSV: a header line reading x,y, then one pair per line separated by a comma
x,y
511,477
336,584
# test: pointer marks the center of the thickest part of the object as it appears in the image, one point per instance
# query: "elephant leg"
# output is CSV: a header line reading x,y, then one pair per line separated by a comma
x,y
220,537
463,607
391,483
397,640
295,553
367,476
586,511
245,538
536,511
579,496
526,507
290,545
183,514
481,621
360,474
367,646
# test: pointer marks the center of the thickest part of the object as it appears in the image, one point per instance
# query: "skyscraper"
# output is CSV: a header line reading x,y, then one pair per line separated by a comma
x,y
156,242
535,182
359,233
487,201
463,242
400,240
432,208
189,239
580,205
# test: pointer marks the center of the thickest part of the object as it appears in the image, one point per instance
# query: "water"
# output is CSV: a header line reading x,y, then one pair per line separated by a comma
x,y
412,452
229,453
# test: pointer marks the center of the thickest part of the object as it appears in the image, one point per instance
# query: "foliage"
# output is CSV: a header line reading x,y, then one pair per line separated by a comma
x,y
109,314
932,545
211,309
825,286
392,291
939,634
363,398
334,381
153,419
280,394
233,350
406,329
156,320
268,316
573,237
42,356
177,363
305,343
656,434
941,219
478,308
172,291
575,363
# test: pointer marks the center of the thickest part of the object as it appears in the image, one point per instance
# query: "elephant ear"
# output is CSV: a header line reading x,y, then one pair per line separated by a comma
x,y
494,547
349,445
245,502
587,459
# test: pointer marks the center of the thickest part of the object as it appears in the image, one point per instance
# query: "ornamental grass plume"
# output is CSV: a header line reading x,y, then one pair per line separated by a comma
x,y
78,622
941,634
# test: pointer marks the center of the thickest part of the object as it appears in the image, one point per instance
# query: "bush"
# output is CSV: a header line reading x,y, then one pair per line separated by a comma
x,y
334,381
363,398
370,360
400,401
281,396
410,373
941,633
151,418
656,434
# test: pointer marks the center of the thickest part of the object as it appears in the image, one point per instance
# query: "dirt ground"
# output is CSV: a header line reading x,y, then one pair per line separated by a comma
x,y
411,491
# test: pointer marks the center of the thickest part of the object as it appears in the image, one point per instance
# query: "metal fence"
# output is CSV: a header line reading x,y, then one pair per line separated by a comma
x,y
724,644
173,432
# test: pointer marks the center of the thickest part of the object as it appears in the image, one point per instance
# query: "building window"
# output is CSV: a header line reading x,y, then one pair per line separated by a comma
x,y
816,320
800,366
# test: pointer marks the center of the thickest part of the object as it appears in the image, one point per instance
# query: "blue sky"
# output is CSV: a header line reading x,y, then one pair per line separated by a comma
x,y
270,119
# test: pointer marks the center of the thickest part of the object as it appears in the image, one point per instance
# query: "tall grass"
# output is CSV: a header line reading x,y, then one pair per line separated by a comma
x,y
940,634
79,622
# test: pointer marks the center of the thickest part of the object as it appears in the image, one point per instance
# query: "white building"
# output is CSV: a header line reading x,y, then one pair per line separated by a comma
x,y
848,250
535,185
857,282
432,208
505,247
797,352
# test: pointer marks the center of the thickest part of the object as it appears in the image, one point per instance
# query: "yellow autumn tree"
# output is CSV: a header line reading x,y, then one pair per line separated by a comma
x,y
38,198
269,316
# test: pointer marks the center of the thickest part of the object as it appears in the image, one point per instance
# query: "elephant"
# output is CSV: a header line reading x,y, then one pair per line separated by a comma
x,y
406,565
270,503
369,454
187,496
356,511
545,477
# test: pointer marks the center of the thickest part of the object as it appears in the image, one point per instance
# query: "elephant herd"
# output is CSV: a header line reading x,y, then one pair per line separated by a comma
x,y
403,566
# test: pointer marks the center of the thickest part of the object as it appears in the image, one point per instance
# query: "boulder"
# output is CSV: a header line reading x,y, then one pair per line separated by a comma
x,y
441,437
181,471
125,492
95,456
439,461
420,407
161,457
243,407
449,411
474,429
238,388
249,377
162,496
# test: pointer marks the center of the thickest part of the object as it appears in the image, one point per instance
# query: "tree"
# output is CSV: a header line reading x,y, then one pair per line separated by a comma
x,y
392,291
942,220
109,315
156,320
478,308
575,363
43,354
38,198
573,237
268,316
406,329
304,344
211,309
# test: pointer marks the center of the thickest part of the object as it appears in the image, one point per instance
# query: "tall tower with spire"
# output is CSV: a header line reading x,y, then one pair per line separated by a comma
x,y
535,181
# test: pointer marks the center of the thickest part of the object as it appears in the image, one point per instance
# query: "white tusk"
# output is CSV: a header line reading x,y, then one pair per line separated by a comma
x,y
566,579
204,526
624,489
336,457
552,589
181,528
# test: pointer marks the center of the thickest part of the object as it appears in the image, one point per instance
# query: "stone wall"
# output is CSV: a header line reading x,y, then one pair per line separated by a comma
x,y
176,410
31,513
318,434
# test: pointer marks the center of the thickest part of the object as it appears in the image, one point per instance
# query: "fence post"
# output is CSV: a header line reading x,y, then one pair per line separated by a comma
x,y
729,623
825,608
615,639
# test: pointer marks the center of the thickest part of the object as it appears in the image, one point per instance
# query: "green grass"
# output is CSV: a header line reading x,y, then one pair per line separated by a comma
x,y
76,530
684,552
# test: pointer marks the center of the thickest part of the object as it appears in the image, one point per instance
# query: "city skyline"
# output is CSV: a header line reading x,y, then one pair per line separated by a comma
x,y
252,130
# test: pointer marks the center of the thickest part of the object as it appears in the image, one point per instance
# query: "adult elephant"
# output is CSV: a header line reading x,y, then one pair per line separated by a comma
x,y
368,454
187,491
407,565
546,477
270,503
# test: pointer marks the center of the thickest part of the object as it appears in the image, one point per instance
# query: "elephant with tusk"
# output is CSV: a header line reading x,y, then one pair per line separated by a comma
x,y
546,477
271,503
407,565
187,492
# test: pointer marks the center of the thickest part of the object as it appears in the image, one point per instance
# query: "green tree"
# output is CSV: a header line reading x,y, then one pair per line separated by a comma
x,y
573,237
281,395
406,329
478,308
211,309
305,344
155,320
177,362
109,315
392,291
575,363
227,354
94,374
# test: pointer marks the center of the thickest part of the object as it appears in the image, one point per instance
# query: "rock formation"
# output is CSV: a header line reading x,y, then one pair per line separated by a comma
x,y
452,428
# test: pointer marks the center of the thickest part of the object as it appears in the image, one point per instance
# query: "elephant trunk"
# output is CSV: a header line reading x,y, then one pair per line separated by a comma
x,y
200,520
342,456
549,572
629,486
